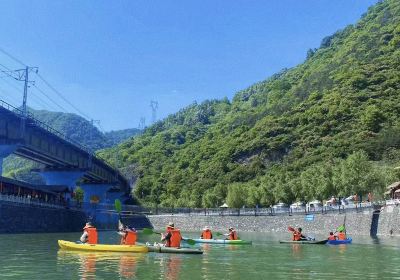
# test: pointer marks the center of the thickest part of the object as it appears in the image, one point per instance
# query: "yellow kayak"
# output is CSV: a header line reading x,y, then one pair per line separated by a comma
x,y
102,247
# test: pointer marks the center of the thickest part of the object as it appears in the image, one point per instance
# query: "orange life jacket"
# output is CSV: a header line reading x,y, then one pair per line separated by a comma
x,y
332,237
175,240
233,235
341,236
206,234
130,238
92,235
296,236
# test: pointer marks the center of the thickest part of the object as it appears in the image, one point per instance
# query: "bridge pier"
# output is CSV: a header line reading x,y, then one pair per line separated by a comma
x,y
96,191
61,177
5,151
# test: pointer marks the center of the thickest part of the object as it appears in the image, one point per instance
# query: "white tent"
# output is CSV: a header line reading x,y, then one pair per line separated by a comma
x,y
224,205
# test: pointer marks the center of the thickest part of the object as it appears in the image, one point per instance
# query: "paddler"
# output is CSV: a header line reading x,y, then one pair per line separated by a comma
x,y
232,235
89,234
206,234
332,236
128,235
298,236
172,237
341,235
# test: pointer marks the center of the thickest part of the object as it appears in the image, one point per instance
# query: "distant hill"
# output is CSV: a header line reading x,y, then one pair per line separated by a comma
x,y
329,126
73,127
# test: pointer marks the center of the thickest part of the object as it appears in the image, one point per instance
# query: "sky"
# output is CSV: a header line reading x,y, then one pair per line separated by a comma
x,y
110,59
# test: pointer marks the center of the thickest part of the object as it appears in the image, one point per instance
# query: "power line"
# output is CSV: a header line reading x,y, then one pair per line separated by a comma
x,y
12,57
63,98
48,97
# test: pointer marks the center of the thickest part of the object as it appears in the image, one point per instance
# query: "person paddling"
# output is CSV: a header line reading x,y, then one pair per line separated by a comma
x,y
172,237
232,235
332,236
298,236
206,234
128,235
89,234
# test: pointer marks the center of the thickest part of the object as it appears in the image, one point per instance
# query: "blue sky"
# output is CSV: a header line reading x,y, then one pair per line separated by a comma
x,y
111,58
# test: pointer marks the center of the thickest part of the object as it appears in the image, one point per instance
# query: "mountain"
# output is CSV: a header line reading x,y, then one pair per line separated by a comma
x,y
73,127
329,126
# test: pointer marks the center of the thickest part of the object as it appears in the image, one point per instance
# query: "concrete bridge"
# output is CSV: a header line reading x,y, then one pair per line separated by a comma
x,y
65,161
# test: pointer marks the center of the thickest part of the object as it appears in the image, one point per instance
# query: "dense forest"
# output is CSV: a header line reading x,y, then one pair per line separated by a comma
x,y
73,127
329,126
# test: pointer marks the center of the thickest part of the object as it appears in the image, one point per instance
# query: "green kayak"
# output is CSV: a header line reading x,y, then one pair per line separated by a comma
x,y
221,241
304,242
162,249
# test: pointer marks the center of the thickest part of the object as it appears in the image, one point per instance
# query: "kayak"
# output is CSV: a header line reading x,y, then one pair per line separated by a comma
x,y
303,242
338,242
102,247
221,241
163,249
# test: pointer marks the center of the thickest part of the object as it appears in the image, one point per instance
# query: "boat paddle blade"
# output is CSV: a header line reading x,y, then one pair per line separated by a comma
x,y
291,229
147,231
341,228
117,205
190,241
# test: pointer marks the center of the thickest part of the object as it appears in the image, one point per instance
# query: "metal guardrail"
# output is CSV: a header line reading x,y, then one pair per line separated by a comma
x,y
253,211
29,201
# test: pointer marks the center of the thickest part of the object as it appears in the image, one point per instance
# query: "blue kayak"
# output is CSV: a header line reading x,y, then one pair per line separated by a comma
x,y
338,242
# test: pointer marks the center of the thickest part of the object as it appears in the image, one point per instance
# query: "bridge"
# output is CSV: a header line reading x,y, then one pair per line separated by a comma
x,y
65,161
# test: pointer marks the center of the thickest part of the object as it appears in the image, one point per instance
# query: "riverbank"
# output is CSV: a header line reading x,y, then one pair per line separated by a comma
x,y
365,222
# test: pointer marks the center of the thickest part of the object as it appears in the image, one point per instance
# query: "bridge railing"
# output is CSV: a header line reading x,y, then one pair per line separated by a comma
x,y
51,130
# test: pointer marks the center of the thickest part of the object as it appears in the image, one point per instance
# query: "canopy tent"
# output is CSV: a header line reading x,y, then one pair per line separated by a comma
x,y
224,205
393,186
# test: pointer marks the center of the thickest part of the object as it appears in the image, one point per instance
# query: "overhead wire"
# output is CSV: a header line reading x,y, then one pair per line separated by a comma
x,y
12,57
52,88
63,98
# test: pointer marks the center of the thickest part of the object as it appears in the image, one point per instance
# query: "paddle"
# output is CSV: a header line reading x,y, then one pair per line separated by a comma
x,y
118,208
151,231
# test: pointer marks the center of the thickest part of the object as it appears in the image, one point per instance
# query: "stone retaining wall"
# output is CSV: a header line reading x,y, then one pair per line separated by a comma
x,y
358,223
30,219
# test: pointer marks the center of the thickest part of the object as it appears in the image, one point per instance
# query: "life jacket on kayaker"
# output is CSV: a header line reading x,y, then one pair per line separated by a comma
x,y
331,236
206,234
297,235
172,237
129,237
232,234
341,235
90,234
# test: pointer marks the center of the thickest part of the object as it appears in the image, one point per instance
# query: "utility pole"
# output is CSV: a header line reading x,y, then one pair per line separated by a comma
x,y
23,75
142,123
154,108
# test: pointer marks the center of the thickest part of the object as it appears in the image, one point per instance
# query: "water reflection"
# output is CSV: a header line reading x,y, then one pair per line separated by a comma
x,y
88,262
171,266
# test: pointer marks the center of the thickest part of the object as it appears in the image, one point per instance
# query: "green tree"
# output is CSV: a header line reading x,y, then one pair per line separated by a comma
x,y
237,195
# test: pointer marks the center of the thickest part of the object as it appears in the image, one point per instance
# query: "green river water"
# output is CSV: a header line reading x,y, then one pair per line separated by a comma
x,y
36,256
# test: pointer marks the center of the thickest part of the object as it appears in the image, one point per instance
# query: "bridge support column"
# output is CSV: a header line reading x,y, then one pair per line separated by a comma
x,y
96,191
5,151
62,178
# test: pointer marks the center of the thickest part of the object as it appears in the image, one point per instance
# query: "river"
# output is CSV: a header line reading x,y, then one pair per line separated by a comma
x,y
36,256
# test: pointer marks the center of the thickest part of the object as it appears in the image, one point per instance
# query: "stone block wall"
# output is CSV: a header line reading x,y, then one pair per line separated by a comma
x,y
357,223
31,219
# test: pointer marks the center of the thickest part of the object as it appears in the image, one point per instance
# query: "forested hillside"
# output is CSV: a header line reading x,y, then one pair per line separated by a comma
x,y
329,126
75,128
